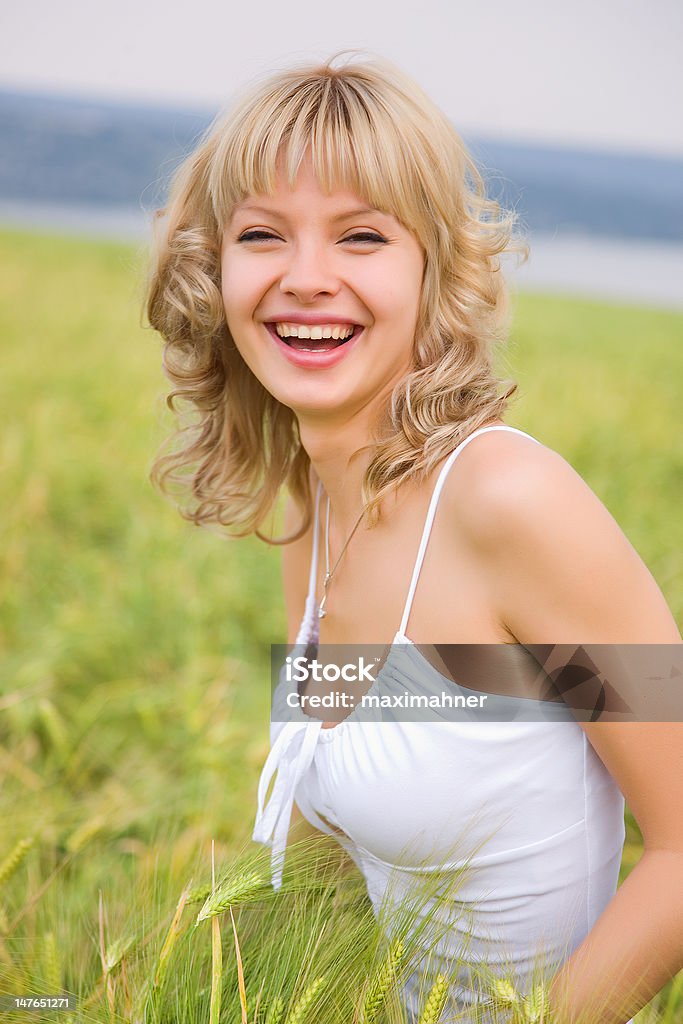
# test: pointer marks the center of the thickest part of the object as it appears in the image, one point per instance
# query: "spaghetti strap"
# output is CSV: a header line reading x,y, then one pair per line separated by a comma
x,y
432,511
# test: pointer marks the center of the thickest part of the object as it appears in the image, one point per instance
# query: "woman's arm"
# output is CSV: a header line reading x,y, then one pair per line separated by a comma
x,y
636,945
562,572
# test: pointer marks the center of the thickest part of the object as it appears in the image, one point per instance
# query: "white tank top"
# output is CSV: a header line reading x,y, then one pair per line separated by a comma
x,y
526,807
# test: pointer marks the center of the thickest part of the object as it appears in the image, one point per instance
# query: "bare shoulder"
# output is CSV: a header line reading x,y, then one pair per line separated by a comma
x,y
504,485
497,475
295,566
560,567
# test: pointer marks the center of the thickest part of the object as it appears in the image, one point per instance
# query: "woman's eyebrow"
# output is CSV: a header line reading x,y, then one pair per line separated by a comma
x,y
346,215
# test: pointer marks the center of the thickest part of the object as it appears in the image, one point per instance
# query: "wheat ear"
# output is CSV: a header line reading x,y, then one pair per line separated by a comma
x,y
236,890
276,1011
51,963
381,983
436,1000
14,859
536,1008
84,833
300,1008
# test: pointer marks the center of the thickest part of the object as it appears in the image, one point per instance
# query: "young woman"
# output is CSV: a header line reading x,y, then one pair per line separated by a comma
x,y
329,289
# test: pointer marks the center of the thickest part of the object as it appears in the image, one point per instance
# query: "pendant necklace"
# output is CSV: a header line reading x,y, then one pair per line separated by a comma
x,y
330,573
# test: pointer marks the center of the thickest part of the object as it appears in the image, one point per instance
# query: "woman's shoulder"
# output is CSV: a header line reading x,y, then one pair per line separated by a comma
x,y
502,477
559,565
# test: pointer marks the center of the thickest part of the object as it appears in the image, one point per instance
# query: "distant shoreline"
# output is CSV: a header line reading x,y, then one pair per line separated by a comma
x,y
584,265
643,273
117,223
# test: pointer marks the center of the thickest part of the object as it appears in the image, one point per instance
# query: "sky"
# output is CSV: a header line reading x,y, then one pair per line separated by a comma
x,y
603,74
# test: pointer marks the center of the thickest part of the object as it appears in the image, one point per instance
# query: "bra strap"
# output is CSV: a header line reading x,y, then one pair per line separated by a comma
x,y
432,510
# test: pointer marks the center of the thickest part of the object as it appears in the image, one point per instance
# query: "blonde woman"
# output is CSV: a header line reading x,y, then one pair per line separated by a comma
x,y
327,282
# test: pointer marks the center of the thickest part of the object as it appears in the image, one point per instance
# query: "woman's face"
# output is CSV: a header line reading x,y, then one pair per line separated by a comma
x,y
301,257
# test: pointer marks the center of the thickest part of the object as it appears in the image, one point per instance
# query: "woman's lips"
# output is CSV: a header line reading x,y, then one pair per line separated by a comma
x,y
314,360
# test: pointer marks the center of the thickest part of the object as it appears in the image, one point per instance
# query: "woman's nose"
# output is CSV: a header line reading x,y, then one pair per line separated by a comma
x,y
309,269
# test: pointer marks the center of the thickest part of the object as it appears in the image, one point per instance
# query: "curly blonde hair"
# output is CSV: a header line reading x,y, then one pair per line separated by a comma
x,y
370,128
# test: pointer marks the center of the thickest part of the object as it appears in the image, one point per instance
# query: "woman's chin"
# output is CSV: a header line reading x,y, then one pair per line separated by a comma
x,y
310,402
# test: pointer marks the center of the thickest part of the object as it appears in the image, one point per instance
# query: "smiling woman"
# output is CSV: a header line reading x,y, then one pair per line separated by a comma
x,y
327,280
306,198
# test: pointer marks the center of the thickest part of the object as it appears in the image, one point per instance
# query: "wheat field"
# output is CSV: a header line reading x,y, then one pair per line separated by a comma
x,y
134,652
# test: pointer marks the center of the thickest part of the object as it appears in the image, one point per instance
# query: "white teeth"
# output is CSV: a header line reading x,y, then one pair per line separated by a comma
x,y
335,331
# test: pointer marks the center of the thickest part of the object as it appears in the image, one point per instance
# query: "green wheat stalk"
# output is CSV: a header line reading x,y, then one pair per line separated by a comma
x,y
84,833
674,999
54,725
216,972
116,951
53,973
535,1006
436,1000
15,858
505,993
531,1009
170,940
240,972
276,1011
381,983
198,895
240,889
216,957
298,1012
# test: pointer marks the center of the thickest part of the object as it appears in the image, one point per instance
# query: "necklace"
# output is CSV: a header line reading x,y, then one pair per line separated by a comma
x,y
330,573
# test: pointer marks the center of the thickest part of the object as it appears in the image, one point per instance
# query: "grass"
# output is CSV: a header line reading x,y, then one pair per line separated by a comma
x,y
135,657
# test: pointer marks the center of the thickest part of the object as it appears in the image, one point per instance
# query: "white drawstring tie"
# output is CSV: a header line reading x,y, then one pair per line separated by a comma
x,y
290,756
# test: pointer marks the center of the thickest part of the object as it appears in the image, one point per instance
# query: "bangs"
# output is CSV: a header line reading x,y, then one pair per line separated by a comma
x,y
353,138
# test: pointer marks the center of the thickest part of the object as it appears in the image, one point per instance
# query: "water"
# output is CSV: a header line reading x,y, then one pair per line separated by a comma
x,y
644,273
119,223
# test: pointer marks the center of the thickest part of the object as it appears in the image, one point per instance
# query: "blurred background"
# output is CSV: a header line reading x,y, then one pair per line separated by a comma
x,y
571,110
134,648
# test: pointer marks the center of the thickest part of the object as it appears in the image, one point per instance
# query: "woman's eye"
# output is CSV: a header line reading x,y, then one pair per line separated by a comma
x,y
254,236
365,236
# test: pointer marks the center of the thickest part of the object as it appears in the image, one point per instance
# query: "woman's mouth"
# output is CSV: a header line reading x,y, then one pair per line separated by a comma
x,y
315,351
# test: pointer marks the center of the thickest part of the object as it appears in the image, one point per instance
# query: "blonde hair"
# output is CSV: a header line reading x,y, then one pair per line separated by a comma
x,y
370,128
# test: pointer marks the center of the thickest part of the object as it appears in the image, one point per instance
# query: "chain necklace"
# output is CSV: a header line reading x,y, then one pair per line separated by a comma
x,y
330,573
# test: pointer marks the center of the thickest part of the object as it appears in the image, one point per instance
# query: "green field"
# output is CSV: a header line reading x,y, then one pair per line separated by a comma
x,y
134,665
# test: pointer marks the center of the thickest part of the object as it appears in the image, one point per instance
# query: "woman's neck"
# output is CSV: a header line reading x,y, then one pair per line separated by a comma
x,y
339,459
